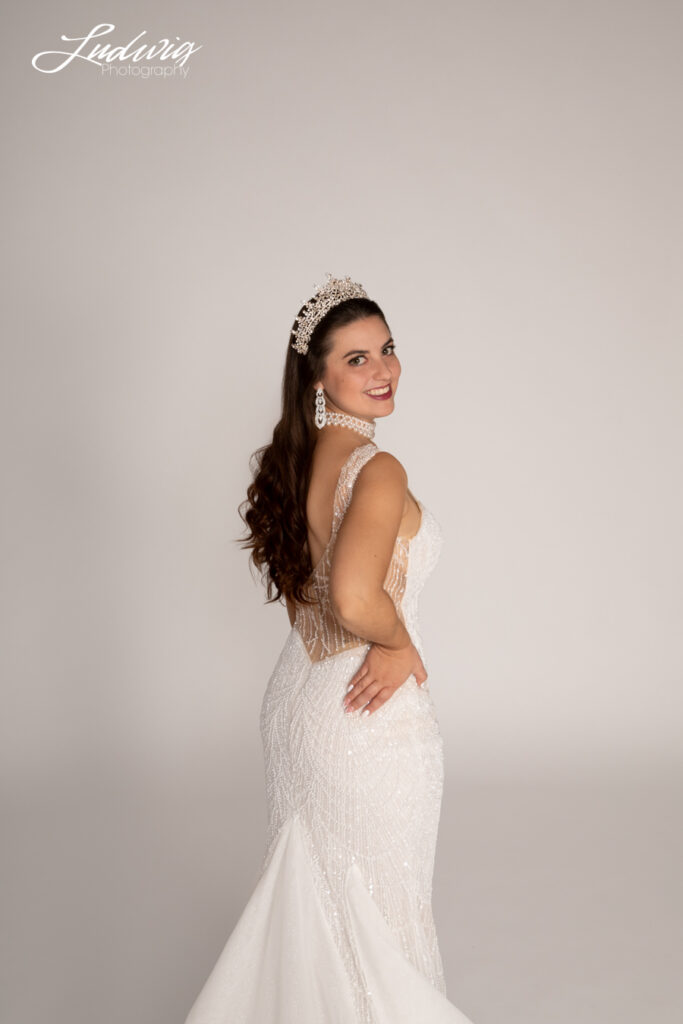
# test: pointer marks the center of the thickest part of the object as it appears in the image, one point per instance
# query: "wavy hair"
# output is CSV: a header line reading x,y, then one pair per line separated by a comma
x,y
274,510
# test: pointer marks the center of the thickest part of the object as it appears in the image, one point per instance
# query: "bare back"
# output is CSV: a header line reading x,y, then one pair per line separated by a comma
x,y
328,459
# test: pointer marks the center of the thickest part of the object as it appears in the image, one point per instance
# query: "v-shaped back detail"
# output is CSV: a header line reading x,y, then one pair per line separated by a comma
x,y
343,490
322,634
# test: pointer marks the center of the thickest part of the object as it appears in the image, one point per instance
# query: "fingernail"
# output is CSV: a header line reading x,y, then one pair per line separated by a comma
x,y
349,687
364,713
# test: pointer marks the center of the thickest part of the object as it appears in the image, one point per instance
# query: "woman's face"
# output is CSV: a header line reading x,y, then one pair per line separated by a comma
x,y
361,361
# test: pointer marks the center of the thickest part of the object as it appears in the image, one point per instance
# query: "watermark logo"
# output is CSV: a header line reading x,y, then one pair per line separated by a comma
x,y
104,55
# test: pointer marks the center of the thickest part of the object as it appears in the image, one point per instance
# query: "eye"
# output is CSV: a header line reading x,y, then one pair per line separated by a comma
x,y
389,345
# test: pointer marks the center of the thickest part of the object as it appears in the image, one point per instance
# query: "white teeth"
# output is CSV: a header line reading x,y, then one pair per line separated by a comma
x,y
379,391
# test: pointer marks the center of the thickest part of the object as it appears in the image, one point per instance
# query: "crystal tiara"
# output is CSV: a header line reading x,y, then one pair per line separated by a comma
x,y
328,295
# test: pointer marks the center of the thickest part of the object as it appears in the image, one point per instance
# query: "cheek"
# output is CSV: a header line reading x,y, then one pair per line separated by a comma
x,y
343,384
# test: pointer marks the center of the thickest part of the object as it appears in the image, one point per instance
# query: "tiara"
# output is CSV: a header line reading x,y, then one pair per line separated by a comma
x,y
328,295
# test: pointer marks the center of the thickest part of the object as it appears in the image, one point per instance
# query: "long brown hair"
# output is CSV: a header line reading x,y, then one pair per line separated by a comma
x,y
275,507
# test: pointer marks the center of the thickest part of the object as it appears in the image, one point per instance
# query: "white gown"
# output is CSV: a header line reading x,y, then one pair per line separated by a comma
x,y
339,929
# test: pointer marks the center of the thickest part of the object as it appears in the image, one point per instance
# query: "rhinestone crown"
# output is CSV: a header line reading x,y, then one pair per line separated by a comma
x,y
327,295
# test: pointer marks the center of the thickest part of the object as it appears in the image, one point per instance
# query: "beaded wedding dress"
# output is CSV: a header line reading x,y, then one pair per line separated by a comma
x,y
339,929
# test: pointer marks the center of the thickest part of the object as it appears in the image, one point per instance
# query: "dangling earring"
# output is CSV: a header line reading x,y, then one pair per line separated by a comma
x,y
320,416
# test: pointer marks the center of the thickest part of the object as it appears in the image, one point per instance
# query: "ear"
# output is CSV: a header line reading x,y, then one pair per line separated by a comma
x,y
317,384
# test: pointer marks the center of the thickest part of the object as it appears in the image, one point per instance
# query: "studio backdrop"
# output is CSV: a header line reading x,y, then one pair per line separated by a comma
x,y
505,181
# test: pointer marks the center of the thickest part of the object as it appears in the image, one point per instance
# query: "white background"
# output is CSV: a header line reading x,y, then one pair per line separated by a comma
x,y
505,180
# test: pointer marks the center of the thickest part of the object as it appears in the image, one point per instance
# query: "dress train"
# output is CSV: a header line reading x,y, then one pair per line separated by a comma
x,y
339,928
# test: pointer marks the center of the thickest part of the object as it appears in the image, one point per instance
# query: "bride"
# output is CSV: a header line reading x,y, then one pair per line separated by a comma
x,y
339,929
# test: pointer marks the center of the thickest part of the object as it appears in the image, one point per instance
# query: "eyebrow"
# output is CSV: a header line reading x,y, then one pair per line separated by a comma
x,y
366,351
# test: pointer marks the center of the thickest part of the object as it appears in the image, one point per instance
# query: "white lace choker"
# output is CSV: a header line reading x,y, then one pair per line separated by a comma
x,y
343,419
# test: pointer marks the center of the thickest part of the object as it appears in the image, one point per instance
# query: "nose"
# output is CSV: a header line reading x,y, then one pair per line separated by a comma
x,y
383,370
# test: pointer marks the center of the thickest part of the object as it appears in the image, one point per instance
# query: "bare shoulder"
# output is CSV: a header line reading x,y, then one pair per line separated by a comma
x,y
381,474
384,464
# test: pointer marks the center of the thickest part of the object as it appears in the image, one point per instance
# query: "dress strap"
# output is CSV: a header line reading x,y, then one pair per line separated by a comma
x,y
347,477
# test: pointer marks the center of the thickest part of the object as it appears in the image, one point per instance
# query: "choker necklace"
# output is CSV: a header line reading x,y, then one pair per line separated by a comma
x,y
343,419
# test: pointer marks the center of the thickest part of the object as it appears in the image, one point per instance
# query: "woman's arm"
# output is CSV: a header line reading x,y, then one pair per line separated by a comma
x,y
363,550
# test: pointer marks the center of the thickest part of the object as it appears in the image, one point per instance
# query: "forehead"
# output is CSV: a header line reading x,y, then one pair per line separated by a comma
x,y
369,333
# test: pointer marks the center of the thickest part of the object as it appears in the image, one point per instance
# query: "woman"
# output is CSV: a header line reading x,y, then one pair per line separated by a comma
x,y
339,929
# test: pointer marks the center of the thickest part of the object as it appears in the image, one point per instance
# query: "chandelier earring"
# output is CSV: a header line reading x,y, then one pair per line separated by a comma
x,y
320,417
341,419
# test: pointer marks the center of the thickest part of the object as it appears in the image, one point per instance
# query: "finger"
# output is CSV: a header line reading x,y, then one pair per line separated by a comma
x,y
357,676
380,698
351,692
357,681
357,700
354,698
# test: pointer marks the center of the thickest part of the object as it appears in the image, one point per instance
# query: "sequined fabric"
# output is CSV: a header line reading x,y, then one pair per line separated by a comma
x,y
339,929
323,636
366,791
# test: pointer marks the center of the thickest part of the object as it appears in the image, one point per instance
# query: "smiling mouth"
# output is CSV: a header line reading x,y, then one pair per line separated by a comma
x,y
379,392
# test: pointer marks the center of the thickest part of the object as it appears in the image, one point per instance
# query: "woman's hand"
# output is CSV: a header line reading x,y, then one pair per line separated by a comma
x,y
381,674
